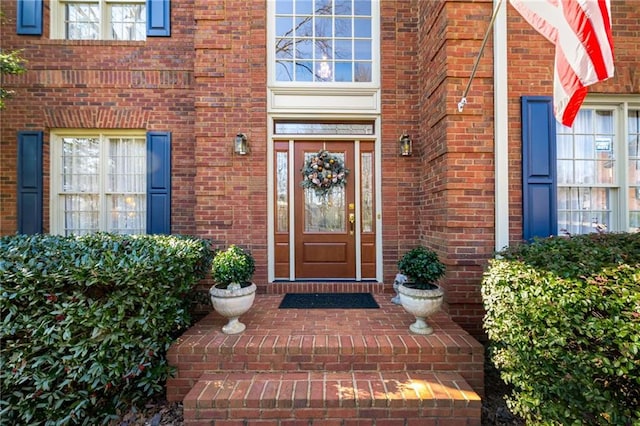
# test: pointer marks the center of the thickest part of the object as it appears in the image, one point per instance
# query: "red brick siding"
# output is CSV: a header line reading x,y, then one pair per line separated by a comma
x,y
531,73
456,149
400,110
108,85
230,87
207,82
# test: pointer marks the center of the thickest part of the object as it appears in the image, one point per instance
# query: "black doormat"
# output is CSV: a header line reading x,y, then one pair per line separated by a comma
x,y
328,301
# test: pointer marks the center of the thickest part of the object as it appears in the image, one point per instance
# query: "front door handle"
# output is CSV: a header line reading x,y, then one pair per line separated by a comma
x,y
352,221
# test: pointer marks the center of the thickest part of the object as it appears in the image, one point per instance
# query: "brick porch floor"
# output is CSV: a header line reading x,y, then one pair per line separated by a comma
x,y
327,367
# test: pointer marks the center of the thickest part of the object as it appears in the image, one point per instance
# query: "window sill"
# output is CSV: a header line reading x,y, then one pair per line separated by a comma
x,y
65,42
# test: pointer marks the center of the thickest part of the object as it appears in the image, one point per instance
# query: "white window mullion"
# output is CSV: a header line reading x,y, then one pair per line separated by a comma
x,y
105,22
623,170
102,183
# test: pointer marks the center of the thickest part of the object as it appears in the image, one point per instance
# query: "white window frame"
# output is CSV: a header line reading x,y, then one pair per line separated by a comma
x,y
58,30
56,204
620,107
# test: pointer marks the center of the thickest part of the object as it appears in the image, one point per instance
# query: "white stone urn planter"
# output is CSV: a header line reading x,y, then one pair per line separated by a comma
x,y
231,304
400,279
421,304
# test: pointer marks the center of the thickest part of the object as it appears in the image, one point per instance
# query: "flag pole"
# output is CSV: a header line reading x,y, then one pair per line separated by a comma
x,y
463,101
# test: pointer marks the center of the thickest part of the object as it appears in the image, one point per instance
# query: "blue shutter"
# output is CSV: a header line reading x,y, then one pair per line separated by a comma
x,y
158,183
540,212
29,19
158,18
30,182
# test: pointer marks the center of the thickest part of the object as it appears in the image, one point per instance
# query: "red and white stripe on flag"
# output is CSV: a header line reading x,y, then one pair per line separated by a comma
x,y
581,33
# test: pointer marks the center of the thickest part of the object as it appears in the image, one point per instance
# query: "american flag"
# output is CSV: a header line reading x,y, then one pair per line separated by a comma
x,y
581,33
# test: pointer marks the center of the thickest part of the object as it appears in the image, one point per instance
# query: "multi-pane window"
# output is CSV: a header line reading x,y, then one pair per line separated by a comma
x,y
100,19
597,169
324,41
98,184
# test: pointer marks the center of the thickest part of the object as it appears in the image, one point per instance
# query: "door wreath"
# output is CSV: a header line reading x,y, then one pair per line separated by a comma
x,y
323,172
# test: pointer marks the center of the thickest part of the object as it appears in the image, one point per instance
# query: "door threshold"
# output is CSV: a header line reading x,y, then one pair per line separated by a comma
x,y
327,286
324,280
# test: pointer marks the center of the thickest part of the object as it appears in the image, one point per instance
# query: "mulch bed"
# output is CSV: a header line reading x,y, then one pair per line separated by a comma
x,y
155,412
494,408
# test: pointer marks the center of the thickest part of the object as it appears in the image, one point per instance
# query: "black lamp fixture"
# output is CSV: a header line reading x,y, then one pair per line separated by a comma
x,y
406,145
240,145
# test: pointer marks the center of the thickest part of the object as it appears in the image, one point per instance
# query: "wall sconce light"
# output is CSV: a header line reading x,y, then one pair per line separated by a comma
x,y
240,145
406,145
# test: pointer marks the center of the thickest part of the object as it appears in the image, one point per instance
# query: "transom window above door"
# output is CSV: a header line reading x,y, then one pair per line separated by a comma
x,y
324,41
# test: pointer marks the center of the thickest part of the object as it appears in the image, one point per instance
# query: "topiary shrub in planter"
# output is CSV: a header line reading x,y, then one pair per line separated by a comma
x,y
232,267
420,295
233,292
422,267
563,319
87,321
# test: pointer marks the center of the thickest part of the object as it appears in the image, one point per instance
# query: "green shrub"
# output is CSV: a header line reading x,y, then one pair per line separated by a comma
x,y
578,255
87,321
422,266
563,319
233,265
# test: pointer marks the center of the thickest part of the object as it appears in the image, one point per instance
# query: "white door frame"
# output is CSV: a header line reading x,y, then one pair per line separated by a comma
x,y
294,179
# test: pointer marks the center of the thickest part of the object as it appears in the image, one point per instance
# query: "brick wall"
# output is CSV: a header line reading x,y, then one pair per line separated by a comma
x,y
207,82
531,73
456,150
400,110
230,85
100,84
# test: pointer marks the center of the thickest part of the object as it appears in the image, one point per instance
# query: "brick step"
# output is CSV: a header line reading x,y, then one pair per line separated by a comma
x,y
340,353
323,352
332,398
316,340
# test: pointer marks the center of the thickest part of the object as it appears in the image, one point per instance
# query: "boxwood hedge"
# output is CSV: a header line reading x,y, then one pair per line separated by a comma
x,y
86,321
563,320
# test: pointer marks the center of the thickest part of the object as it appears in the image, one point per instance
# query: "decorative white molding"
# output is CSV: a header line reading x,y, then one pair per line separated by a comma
x,y
327,100
501,128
